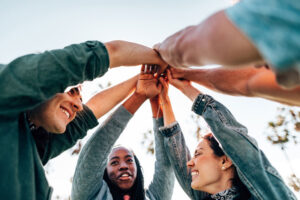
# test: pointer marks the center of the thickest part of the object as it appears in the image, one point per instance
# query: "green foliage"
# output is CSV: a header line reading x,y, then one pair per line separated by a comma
x,y
285,128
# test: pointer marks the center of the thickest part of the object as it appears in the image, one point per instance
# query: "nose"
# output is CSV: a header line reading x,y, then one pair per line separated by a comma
x,y
123,166
77,104
190,163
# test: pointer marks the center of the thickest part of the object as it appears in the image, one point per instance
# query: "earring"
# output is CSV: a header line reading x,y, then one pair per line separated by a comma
x,y
223,167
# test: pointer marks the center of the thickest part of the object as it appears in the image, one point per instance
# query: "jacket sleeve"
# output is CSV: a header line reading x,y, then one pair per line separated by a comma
x,y
76,130
179,154
88,177
32,79
253,168
162,184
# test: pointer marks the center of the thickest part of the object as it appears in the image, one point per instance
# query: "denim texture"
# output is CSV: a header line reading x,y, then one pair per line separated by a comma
x,y
253,167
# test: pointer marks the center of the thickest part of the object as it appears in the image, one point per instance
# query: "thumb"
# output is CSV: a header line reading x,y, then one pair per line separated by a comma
x,y
159,87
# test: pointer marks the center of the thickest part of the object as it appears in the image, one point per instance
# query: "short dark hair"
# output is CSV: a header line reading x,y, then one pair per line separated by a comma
x,y
136,192
236,181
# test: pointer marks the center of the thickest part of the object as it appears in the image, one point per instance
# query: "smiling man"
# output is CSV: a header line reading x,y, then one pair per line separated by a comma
x,y
34,108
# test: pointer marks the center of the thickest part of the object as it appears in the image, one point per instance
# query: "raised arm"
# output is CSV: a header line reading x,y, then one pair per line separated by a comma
x,y
162,184
214,41
88,178
105,100
124,53
255,171
175,145
227,129
31,79
250,81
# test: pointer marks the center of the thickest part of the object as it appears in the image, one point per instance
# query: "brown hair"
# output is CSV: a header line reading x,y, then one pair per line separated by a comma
x,y
236,181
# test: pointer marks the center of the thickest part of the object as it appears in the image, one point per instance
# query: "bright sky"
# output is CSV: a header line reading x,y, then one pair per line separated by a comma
x,y
35,26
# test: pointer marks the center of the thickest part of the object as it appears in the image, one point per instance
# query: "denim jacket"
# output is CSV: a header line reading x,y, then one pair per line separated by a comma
x,y
254,169
88,180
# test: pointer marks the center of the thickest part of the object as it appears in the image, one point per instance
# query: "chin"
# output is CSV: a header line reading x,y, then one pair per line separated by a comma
x,y
125,187
195,186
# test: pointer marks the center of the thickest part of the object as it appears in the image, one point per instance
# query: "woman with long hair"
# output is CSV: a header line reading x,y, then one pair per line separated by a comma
x,y
107,173
227,163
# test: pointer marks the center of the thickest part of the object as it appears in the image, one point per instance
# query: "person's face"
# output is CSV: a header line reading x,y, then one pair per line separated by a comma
x,y
56,113
206,167
121,168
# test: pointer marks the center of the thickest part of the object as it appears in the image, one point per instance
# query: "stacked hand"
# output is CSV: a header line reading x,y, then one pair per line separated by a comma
x,y
147,84
175,76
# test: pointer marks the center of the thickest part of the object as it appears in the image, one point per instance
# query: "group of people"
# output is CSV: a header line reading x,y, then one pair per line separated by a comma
x,y
39,118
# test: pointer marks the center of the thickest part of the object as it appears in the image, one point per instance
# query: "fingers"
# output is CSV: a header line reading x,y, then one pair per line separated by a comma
x,y
161,69
159,87
143,69
169,75
149,69
163,82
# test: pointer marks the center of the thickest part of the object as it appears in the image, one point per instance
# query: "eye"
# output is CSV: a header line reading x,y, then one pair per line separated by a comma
x,y
130,160
114,163
197,154
75,92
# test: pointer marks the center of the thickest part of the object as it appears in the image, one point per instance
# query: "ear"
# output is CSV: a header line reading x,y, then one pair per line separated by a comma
x,y
226,162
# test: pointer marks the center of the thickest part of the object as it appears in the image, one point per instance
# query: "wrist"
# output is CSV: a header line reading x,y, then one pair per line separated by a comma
x,y
185,88
191,93
165,100
139,96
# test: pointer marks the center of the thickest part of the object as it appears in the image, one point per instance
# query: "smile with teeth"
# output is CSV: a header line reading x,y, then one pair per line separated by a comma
x,y
124,177
66,112
194,173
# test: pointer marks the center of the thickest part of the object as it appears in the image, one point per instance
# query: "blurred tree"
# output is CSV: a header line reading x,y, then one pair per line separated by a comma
x,y
285,128
148,142
283,131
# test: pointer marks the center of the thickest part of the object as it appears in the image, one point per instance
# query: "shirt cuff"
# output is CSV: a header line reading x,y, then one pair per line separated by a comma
x,y
201,103
103,57
88,114
170,129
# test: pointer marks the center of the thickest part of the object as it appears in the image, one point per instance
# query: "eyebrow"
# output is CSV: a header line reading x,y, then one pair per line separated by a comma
x,y
198,149
117,157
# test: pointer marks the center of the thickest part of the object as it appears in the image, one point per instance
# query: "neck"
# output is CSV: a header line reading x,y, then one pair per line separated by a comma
x,y
221,185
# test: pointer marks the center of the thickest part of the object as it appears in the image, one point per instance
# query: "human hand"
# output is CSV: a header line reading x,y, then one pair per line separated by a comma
x,y
178,73
180,84
169,49
163,95
147,84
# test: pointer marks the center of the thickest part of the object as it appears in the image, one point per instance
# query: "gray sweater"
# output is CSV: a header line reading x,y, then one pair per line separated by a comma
x,y
88,180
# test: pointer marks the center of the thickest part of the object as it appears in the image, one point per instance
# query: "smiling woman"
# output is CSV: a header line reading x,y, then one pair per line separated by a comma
x,y
123,174
227,163
108,173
